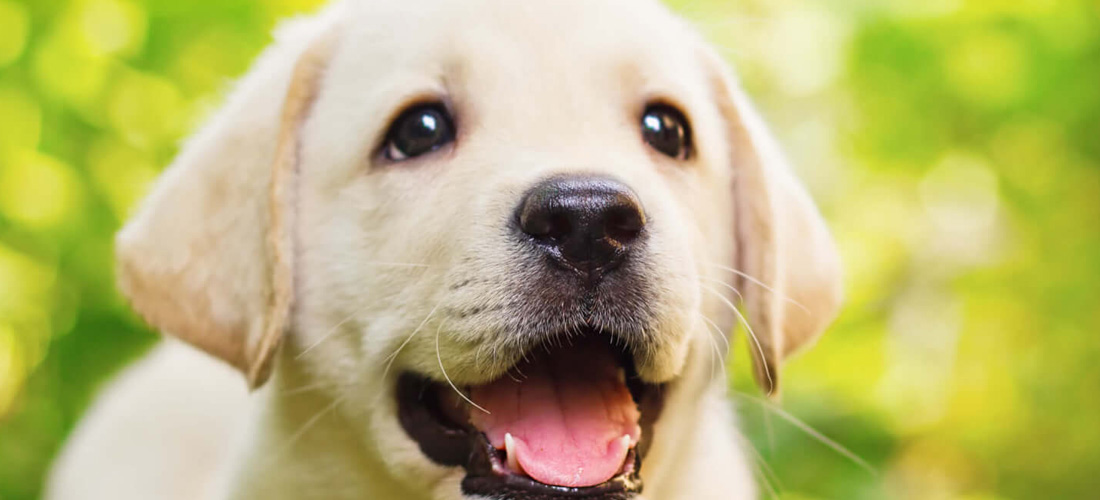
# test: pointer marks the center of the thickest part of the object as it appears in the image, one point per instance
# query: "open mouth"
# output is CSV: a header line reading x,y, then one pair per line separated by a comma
x,y
569,421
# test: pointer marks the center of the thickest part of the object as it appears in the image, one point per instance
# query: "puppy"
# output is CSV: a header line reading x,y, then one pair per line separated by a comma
x,y
460,250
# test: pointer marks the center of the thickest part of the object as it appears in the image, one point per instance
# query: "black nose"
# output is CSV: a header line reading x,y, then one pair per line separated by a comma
x,y
587,223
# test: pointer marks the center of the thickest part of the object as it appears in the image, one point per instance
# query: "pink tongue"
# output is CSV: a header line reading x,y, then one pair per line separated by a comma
x,y
567,415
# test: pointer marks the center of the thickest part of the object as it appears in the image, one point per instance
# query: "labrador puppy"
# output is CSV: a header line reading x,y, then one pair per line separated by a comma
x,y
484,249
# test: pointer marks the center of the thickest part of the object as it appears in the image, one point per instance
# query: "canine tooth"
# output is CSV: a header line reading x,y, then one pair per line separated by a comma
x,y
510,453
627,441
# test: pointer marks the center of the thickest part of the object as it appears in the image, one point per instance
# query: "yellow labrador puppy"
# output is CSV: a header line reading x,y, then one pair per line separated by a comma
x,y
484,249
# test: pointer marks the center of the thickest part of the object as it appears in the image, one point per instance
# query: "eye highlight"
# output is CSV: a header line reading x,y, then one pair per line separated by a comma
x,y
419,130
665,129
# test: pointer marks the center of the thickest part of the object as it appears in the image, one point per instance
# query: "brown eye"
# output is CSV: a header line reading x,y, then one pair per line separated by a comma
x,y
666,130
419,130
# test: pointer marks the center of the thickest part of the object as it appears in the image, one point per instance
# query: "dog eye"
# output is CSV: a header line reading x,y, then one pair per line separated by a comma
x,y
666,130
419,130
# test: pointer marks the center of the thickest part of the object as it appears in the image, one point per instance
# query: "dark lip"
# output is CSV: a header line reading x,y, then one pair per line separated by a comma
x,y
452,443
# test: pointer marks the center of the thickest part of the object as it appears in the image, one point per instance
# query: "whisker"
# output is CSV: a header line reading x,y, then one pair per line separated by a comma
x,y
727,285
330,333
814,433
748,328
304,389
290,441
392,357
448,377
714,354
717,353
719,330
766,473
477,356
759,283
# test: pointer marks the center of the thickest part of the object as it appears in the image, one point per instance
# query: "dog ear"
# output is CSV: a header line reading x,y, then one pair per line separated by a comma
x,y
791,281
208,256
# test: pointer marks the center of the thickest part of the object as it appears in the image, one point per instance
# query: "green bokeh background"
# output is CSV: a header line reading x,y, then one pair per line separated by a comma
x,y
953,145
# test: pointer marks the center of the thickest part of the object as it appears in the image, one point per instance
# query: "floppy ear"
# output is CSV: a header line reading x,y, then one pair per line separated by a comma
x,y
791,285
208,256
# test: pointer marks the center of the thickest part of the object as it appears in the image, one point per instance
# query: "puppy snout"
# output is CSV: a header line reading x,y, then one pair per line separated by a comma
x,y
586,223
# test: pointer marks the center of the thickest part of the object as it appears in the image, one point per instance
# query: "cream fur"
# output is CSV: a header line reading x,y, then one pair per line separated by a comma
x,y
279,243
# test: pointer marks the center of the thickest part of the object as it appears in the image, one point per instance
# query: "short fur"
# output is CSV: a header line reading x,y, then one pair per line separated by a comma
x,y
281,243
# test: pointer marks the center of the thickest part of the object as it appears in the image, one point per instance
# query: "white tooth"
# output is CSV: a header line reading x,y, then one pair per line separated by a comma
x,y
510,453
627,441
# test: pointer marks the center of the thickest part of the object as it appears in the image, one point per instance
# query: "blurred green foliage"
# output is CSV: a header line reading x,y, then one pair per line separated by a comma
x,y
954,146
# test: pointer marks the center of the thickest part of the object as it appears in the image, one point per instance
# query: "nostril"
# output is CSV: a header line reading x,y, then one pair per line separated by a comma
x,y
543,224
559,227
624,223
534,224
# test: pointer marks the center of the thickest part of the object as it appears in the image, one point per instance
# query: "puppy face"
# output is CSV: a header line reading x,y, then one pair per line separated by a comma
x,y
388,241
491,229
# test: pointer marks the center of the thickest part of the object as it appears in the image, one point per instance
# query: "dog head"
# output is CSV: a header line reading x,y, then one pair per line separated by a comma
x,y
463,219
